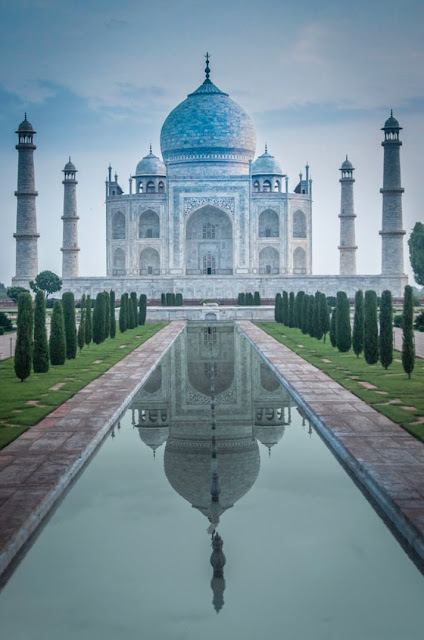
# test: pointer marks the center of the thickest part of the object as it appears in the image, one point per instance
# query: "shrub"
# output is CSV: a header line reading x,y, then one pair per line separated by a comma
x,y
178,300
397,320
386,329
81,329
13,292
324,315
242,298
257,299
291,321
419,321
311,311
122,314
343,330
277,307
169,299
142,305
88,322
163,299
333,327
68,303
370,328
23,347
5,321
107,314
358,324
99,315
112,321
318,333
40,359
298,309
1,331
285,309
57,342
304,317
331,301
408,350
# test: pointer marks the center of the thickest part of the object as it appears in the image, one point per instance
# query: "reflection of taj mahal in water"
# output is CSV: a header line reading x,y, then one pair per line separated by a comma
x,y
174,408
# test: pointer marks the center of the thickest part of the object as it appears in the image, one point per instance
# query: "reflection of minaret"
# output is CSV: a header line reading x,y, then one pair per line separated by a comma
x,y
218,561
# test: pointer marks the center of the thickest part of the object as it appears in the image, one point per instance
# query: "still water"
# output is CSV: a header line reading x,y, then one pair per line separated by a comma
x,y
127,553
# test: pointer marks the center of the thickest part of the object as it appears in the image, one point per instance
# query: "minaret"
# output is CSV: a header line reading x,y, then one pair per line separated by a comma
x,y
70,223
347,217
26,218
391,231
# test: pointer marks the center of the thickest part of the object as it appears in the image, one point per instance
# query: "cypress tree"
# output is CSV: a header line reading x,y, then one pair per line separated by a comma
x,y
333,328
304,316
318,333
358,324
68,304
242,299
142,309
99,319
408,349
107,314
256,299
112,321
343,330
285,309
386,329
81,329
370,328
298,309
130,311
173,300
122,315
324,316
169,299
277,307
23,347
311,313
163,299
41,348
88,322
178,300
57,342
291,310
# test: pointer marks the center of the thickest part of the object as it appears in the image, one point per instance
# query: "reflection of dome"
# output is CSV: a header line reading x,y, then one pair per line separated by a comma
x,y
266,164
150,165
154,381
269,435
269,380
153,437
188,469
210,127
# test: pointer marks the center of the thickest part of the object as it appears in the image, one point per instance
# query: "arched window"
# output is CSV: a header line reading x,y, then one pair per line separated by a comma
x,y
277,186
267,186
299,224
140,187
149,262
256,186
209,231
150,187
269,261
118,226
209,264
148,225
268,224
299,260
119,262
161,187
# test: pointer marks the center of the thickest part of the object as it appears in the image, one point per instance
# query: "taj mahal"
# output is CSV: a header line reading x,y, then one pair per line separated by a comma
x,y
209,220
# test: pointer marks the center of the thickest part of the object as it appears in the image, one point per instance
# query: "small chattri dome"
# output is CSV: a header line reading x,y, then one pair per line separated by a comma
x,y
150,165
391,123
69,166
266,164
25,127
347,165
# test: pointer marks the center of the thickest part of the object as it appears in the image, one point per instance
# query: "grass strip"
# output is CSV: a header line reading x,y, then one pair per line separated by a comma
x,y
394,395
23,404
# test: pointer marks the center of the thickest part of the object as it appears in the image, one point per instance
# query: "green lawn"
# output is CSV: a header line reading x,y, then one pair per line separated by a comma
x,y
23,404
397,397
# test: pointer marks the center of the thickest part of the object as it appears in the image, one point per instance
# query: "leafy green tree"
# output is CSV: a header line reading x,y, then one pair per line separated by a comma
x,y
47,281
257,299
123,313
112,314
311,314
298,309
178,300
305,314
13,292
408,348
107,314
57,341
277,309
81,328
40,359
370,327
333,328
5,321
291,318
142,306
386,329
99,314
285,309
416,251
68,304
88,322
343,330
358,324
318,322
23,347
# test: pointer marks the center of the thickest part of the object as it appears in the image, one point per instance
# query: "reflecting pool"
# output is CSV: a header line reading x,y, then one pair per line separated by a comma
x,y
214,510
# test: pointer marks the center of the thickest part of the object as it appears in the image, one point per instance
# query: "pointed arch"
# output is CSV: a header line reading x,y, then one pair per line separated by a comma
x,y
269,261
148,225
209,242
299,260
149,262
299,224
269,224
119,262
118,226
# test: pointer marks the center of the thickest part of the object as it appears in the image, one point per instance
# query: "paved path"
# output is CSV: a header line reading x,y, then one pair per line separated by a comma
x,y
384,457
418,337
37,467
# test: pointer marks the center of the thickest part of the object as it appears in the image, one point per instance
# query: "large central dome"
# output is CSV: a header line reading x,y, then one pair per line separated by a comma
x,y
207,134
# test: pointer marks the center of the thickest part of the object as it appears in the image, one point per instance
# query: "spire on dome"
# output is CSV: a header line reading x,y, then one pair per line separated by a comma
x,y
150,147
207,70
266,148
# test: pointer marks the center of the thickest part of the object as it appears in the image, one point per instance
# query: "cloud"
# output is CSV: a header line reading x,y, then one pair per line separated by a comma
x,y
116,23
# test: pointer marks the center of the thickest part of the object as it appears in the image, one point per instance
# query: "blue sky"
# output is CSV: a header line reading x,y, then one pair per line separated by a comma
x,y
318,79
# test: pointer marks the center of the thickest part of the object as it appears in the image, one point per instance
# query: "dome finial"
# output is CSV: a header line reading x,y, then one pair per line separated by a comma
x,y
266,148
391,113
150,147
207,70
25,117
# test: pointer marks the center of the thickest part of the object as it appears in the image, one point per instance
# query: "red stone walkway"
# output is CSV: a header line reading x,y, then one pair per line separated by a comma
x,y
37,467
386,460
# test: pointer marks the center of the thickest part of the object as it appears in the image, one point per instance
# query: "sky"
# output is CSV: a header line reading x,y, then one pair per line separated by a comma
x,y
97,80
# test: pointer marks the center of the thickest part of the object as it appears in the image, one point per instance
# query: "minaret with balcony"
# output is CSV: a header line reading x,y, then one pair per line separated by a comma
x,y
347,217
70,219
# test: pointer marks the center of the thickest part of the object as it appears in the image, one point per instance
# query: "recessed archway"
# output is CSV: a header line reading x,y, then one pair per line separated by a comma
x,y
209,243
149,262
